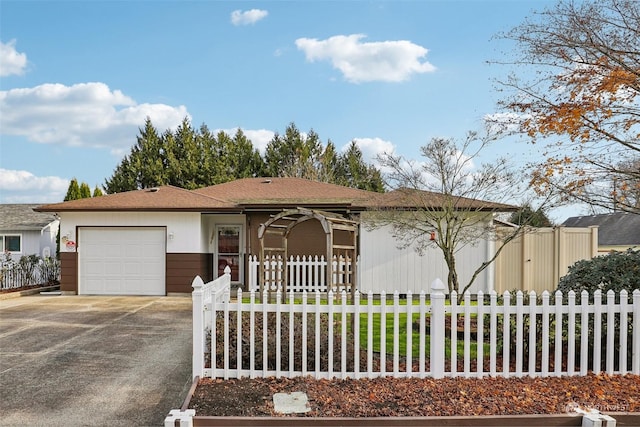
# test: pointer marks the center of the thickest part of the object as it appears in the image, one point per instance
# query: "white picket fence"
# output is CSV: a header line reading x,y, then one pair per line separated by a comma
x,y
304,273
314,335
15,275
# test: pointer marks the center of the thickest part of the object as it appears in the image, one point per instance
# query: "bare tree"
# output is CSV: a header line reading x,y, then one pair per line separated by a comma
x,y
447,202
574,87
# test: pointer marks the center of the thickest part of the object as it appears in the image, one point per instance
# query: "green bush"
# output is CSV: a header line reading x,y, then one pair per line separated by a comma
x,y
615,271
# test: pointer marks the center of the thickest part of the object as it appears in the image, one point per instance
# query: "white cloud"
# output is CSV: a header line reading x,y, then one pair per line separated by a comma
x,y
371,148
85,114
12,62
248,17
259,137
19,186
390,61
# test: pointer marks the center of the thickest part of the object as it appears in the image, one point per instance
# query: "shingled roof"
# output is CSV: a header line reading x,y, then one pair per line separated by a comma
x,y
263,193
614,229
405,198
164,198
23,217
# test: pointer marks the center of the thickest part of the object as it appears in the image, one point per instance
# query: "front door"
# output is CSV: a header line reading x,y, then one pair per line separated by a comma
x,y
228,238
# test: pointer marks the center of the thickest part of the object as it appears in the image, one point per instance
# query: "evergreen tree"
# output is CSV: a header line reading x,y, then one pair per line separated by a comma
x,y
193,158
97,192
293,154
73,192
79,191
85,191
528,216
354,172
144,167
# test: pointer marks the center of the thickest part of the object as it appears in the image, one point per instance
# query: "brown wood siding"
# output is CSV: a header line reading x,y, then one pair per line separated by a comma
x,y
69,272
182,268
307,238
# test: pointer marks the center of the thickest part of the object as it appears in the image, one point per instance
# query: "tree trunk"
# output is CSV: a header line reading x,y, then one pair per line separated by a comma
x,y
452,279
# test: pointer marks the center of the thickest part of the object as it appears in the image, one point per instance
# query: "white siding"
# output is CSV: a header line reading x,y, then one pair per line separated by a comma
x,y
385,267
183,229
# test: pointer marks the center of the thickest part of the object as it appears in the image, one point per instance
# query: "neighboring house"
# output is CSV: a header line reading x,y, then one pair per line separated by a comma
x,y
617,231
24,231
155,241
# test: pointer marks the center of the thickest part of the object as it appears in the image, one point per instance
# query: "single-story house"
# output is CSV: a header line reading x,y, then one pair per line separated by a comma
x,y
155,241
24,231
617,231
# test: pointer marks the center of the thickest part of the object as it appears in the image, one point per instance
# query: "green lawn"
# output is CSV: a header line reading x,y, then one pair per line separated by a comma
x,y
402,329
402,337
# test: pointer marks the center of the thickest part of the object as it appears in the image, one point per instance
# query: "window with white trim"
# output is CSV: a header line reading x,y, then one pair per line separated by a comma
x,y
11,243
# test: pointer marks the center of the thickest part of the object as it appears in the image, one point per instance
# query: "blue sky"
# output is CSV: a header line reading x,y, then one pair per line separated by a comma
x,y
77,79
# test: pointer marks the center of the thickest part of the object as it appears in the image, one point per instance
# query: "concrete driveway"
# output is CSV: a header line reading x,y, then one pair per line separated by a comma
x,y
93,361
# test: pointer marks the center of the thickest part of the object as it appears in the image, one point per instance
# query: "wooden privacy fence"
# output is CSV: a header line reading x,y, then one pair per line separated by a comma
x,y
497,335
539,257
305,273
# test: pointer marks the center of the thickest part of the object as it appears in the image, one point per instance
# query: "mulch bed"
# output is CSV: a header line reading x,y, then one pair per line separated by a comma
x,y
385,397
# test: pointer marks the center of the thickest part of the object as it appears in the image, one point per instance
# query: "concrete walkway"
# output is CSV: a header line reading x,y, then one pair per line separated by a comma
x,y
93,361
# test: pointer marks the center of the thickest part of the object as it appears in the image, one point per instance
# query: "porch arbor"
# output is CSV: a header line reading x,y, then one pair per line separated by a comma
x,y
273,275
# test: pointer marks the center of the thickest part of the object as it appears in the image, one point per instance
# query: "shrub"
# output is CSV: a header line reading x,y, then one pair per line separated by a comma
x,y
615,271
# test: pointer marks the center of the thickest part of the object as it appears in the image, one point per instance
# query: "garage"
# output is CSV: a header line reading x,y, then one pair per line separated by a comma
x,y
121,260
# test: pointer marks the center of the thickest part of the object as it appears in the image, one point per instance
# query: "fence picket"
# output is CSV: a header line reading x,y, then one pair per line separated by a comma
x,y
291,335
584,337
305,301
519,333
252,334
480,335
409,328
493,332
343,335
356,334
544,362
506,335
611,300
330,334
423,321
467,334
526,334
557,341
635,353
624,308
597,331
383,333
571,350
239,333
454,332
396,333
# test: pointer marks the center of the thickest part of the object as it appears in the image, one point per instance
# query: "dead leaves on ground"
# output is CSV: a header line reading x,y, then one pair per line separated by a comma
x,y
382,397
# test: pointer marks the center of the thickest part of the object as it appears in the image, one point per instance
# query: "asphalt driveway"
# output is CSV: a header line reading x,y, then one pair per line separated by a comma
x,y
93,361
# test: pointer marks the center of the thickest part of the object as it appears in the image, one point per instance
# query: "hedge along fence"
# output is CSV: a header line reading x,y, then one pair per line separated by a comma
x,y
29,270
416,337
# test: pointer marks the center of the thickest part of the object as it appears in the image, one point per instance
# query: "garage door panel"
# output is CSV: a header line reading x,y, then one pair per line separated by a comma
x,y
121,260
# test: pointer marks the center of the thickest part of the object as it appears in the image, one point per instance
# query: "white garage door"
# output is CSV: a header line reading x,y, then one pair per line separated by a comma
x,y
121,261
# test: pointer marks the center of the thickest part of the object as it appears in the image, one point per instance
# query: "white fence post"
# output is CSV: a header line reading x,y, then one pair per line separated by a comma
x,y
437,350
198,328
635,352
